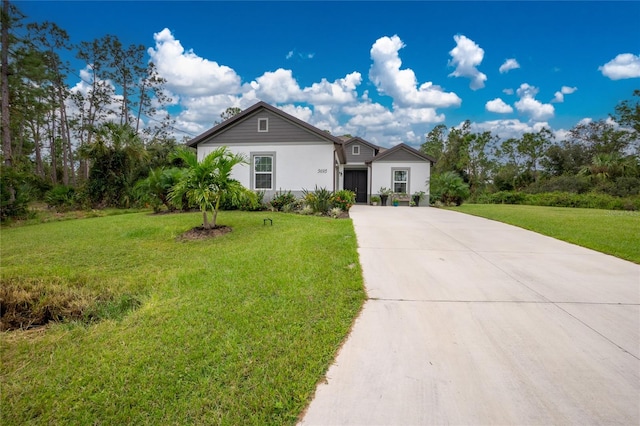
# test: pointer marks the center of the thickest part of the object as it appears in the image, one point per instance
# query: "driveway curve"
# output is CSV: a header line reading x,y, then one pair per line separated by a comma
x,y
471,321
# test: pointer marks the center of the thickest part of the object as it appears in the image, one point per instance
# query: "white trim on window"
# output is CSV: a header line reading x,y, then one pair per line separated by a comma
x,y
400,180
263,125
263,170
355,150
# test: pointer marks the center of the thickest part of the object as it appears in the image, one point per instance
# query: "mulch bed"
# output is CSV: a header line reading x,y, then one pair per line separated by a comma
x,y
200,233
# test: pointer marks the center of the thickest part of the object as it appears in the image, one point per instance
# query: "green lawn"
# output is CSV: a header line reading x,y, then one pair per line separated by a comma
x,y
609,231
232,330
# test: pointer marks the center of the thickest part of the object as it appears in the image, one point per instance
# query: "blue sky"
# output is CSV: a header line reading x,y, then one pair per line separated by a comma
x,y
385,71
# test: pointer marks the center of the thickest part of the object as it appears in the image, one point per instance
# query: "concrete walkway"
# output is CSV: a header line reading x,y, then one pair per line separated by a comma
x,y
473,322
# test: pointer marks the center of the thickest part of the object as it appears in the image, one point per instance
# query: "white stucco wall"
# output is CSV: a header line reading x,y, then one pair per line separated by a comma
x,y
419,175
297,166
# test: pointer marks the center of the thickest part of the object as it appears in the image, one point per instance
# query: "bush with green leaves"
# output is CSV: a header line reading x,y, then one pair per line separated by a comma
x,y
15,194
319,200
61,197
344,199
154,189
335,212
448,188
282,199
590,200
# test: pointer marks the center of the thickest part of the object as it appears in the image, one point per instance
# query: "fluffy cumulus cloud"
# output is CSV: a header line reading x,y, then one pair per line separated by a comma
x,y
304,113
559,95
277,86
625,65
499,106
204,88
506,129
341,91
530,106
187,73
401,84
466,57
509,64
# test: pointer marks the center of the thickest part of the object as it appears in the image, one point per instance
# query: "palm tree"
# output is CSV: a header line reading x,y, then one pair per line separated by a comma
x,y
155,187
206,182
449,188
117,155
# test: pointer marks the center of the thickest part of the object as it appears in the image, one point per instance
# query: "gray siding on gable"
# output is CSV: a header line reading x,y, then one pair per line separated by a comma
x,y
401,155
279,130
366,153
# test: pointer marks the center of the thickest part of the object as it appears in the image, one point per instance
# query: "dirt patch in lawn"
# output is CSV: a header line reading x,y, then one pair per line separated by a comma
x,y
200,233
27,303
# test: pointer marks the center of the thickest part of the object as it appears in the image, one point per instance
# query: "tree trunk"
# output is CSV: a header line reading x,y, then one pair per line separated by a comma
x,y
6,122
215,212
205,220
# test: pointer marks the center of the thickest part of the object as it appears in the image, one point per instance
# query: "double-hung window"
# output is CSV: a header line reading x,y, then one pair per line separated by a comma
x,y
400,181
262,171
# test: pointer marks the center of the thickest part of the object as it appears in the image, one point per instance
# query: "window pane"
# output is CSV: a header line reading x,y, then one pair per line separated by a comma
x,y
263,181
263,164
399,187
400,175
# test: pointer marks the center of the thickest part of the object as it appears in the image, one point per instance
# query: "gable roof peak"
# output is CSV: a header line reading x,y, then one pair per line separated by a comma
x,y
404,147
251,110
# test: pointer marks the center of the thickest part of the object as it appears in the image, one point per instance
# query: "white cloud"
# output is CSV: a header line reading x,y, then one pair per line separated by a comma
x,y
509,64
401,84
507,91
277,87
341,91
499,106
565,90
625,65
466,56
304,113
187,73
299,55
531,107
506,129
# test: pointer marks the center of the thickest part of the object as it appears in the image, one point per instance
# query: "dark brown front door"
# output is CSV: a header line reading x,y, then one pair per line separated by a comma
x,y
356,181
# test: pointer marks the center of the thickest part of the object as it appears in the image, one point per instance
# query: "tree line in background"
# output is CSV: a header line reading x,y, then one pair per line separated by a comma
x,y
100,145
596,157
94,141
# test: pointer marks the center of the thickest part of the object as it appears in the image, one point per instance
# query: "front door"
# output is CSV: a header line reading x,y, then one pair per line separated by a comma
x,y
356,181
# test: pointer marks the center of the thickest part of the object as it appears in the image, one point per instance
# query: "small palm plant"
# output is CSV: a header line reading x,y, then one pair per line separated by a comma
x,y
205,183
449,188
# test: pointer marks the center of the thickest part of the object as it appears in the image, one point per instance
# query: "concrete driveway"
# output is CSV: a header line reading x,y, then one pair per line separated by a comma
x,y
471,321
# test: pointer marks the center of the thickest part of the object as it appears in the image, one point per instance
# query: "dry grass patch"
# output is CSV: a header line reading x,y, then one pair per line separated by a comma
x,y
27,302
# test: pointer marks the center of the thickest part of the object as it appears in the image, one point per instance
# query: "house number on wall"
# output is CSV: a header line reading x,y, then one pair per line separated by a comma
x,y
322,170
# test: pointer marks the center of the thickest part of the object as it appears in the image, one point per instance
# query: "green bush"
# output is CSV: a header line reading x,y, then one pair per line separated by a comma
x,y
623,186
448,188
282,199
590,200
15,194
344,199
319,199
568,183
61,197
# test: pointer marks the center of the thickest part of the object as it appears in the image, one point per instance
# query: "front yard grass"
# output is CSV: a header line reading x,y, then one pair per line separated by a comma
x,y
232,330
609,231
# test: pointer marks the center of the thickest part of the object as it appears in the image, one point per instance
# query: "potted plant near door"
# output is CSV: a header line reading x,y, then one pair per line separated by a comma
x,y
375,200
384,194
417,197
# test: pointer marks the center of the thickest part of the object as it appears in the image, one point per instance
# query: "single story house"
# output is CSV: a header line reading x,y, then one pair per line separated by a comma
x,y
287,154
